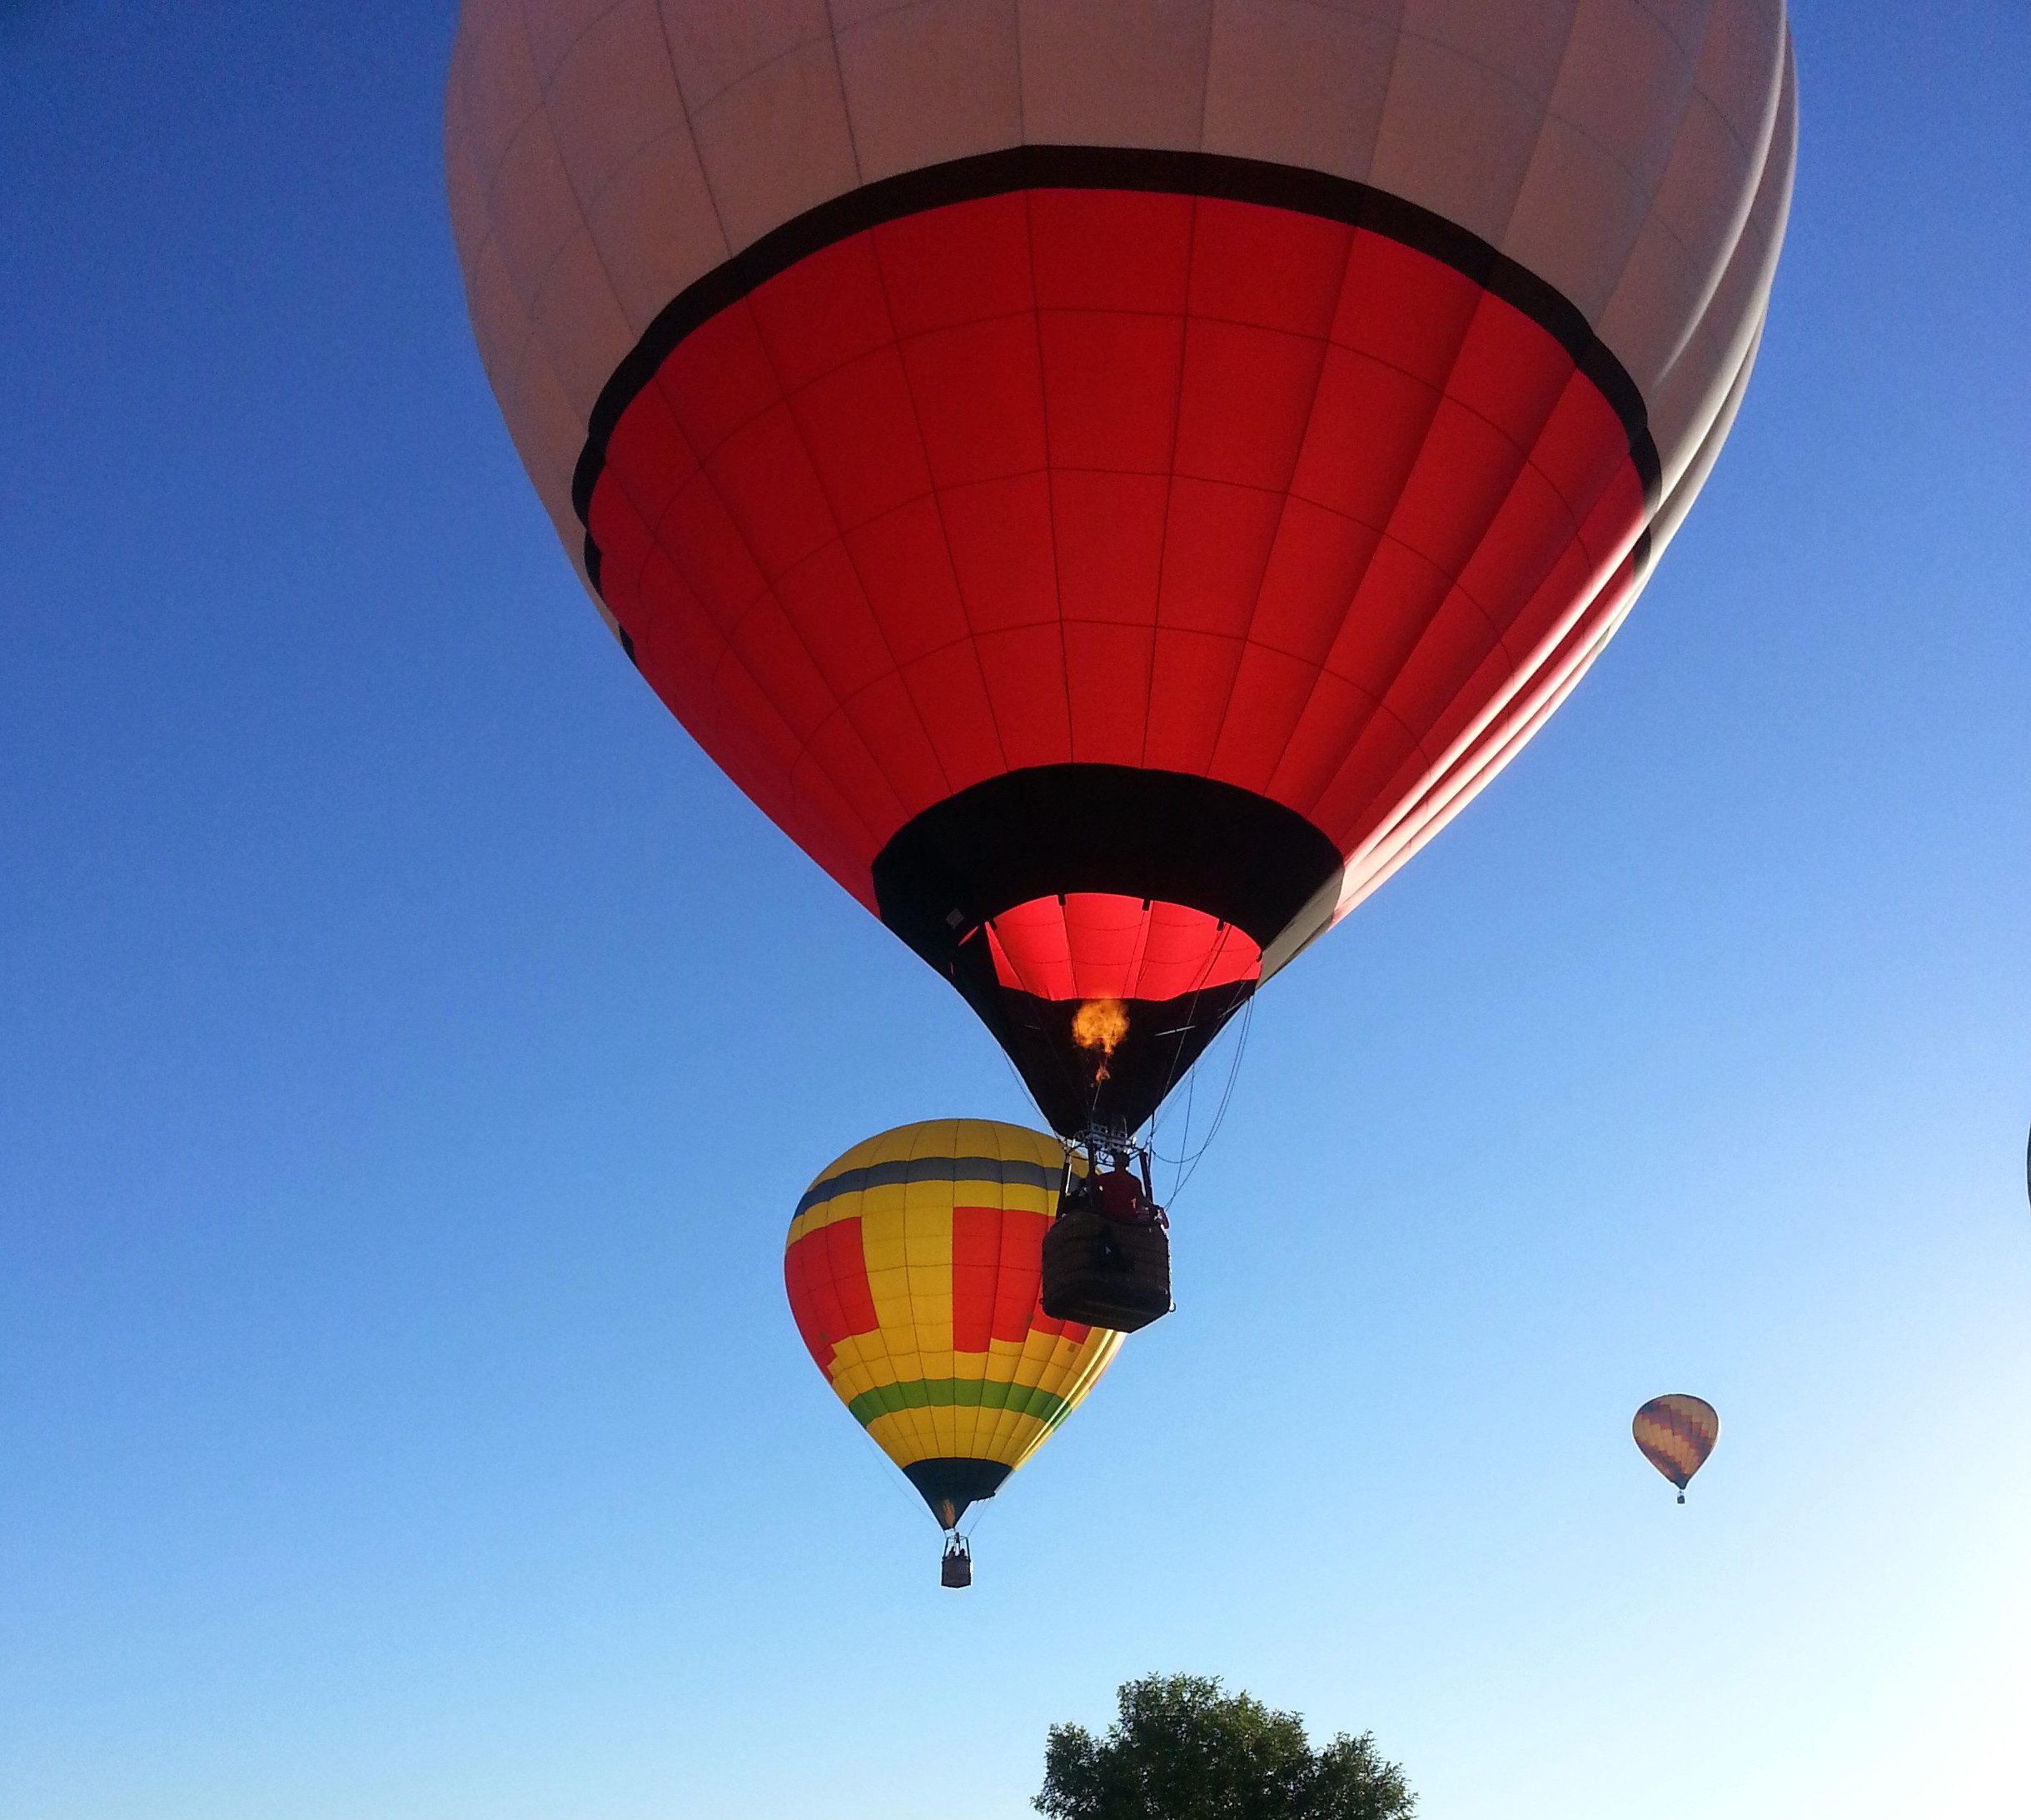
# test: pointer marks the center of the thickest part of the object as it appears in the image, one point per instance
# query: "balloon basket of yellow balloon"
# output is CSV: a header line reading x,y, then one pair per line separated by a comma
x,y
957,1568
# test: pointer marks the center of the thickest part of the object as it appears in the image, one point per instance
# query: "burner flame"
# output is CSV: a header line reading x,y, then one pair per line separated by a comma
x,y
1100,1024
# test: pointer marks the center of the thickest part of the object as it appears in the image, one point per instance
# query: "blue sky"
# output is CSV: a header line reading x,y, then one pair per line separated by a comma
x,y
412,1049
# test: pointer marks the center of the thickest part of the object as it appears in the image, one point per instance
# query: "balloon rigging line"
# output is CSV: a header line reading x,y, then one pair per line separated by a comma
x,y
1187,1165
1241,1048
1186,1155
884,1470
1192,1092
1192,1013
1191,1076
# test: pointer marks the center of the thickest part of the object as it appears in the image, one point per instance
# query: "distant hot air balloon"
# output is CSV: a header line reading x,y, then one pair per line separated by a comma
x,y
1677,1433
1111,479
913,1266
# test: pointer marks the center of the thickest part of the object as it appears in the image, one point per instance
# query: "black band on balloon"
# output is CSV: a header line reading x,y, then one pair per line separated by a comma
x,y
901,1173
1115,167
1048,830
955,1484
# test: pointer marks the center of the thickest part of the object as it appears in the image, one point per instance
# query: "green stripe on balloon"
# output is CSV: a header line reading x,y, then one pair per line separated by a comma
x,y
964,1393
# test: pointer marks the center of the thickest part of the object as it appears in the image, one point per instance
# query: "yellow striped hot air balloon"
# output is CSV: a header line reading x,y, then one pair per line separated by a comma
x,y
1677,1433
913,1267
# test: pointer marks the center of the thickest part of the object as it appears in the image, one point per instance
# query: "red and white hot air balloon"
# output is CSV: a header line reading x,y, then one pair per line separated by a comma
x,y
1111,478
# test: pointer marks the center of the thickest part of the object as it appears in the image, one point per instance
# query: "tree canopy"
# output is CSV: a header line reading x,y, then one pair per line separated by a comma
x,y
1184,1749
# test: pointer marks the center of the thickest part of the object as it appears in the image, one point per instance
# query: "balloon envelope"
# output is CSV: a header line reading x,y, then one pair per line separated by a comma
x,y
1677,1433
1111,481
913,1265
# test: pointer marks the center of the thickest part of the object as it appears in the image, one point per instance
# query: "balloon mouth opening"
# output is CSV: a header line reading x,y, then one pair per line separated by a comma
x,y
1104,950
1102,1000
951,1485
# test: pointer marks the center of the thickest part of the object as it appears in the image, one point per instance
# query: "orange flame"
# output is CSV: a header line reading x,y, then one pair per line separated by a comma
x,y
1100,1023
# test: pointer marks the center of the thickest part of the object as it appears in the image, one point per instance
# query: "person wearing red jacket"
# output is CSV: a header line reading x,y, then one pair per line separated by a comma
x,y
1122,1196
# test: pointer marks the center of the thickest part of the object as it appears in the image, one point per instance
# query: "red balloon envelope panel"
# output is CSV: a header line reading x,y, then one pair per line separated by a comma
x,y
1109,479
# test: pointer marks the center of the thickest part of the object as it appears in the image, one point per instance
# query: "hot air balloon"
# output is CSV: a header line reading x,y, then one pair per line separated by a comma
x,y
1677,1433
913,1265
1111,480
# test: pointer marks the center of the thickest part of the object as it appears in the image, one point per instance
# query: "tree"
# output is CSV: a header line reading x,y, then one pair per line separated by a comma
x,y
1183,1749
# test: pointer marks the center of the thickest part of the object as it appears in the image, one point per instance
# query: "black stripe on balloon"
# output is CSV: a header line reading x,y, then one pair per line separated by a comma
x,y
955,1482
1114,167
1046,830
895,1174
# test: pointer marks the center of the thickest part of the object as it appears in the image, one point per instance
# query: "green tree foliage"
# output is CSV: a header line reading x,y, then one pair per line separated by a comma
x,y
1183,1749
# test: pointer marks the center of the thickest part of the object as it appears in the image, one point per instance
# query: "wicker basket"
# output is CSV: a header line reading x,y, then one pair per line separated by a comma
x,y
1106,1273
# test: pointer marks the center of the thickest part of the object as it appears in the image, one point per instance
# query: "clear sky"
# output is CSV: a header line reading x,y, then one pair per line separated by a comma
x,y
412,1050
